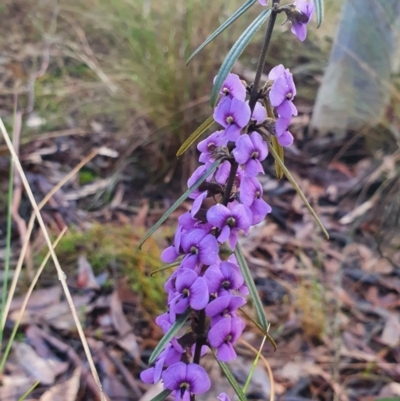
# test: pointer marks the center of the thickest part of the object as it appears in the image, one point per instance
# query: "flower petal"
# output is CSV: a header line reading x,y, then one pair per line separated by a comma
x,y
199,294
226,353
240,111
198,379
222,111
278,91
208,250
174,375
217,215
244,149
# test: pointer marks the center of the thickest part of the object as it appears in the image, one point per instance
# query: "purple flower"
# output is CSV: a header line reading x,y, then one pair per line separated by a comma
x,y
233,114
223,278
233,87
172,354
190,290
194,177
284,137
208,146
259,113
282,91
223,396
229,220
186,380
223,334
251,150
299,21
164,321
224,307
200,247
251,196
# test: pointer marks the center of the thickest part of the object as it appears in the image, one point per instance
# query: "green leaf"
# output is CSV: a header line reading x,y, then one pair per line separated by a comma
x,y
181,199
235,52
166,267
180,321
231,379
28,392
162,396
279,150
196,134
265,332
319,11
225,25
253,367
252,288
297,189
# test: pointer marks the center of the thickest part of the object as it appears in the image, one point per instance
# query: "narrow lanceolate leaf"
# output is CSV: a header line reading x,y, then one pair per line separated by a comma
x,y
319,11
279,150
253,367
265,332
166,267
169,335
252,288
298,190
225,25
162,396
235,52
196,134
182,198
231,379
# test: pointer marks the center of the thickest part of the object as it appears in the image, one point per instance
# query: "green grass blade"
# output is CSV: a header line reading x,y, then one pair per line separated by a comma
x,y
22,398
262,319
166,267
231,379
8,247
297,189
240,11
162,396
180,321
319,11
253,366
196,134
235,52
181,199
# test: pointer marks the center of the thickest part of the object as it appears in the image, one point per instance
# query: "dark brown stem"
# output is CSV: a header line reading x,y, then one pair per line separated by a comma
x,y
230,182
263,55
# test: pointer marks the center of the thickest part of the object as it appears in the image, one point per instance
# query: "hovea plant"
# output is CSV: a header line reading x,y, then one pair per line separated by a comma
x,y
211,282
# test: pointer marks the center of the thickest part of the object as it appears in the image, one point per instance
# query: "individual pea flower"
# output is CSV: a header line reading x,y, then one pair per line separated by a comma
x,y
284,137
198,246
251,196
223,396
250,151
223,278
233,114
282,91
191,290
172,354
233,87
223,335
208,146
186,380
259,113
301,17
224,307
230,219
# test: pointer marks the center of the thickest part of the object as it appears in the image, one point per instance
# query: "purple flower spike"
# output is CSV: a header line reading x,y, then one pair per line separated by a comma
x,y
251,192
209,144
200,247
223,335
251,150
186,380
224,307
233,87
229,220
282,91
223,278
233,114
190,290
299,23
285,138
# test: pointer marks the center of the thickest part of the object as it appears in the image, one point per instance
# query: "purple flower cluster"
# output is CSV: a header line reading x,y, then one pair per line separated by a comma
x,y
212,288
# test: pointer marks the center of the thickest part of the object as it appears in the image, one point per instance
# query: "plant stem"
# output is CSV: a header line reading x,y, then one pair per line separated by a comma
x,y
229,182
261,61
201,336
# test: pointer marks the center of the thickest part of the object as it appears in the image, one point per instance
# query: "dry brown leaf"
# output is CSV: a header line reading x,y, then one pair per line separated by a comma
x,y
66,391
35,366
86,278
391,332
